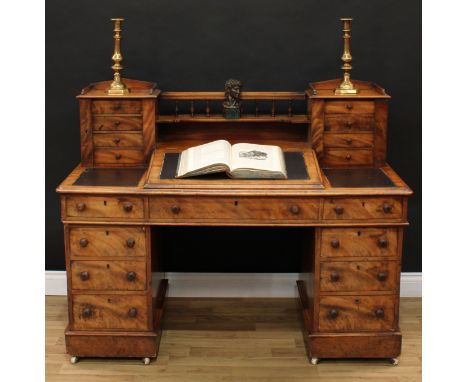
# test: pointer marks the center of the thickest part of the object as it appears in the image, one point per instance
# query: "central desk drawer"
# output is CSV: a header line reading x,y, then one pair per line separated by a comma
x,y
215,208
359,209
127,207
110,311
108,275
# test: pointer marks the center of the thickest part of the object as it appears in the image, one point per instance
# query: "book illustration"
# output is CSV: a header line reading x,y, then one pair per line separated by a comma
x,y
253,154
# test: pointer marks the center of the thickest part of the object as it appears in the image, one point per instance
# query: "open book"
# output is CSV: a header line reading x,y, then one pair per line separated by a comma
x,y
242,160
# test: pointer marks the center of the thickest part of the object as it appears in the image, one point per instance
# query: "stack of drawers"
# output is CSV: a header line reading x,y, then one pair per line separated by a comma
x,y
349,133
117,132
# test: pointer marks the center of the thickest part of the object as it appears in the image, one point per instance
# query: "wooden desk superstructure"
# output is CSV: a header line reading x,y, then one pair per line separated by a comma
x,y
349,287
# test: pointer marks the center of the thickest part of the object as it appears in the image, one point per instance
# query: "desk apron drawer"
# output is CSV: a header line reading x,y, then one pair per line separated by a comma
x,y
358,242
129,312
358,276
104,207
362,209
356,313
107,241
242,209
108,275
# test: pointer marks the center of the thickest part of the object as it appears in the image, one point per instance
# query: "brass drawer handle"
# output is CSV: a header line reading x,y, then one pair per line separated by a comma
x,y
382,243
84,276
379,313
349,141
131,276
334,276
128,207
387,208
118,156
87,312
349,124
132,312
382,276
348,157
80,207
116,140
339,210
294,209
130,243
116,123
333,313
349,106
83,243
335,243
175,209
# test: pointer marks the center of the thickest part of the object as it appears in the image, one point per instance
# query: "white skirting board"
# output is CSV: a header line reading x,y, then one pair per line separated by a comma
x,y
233,284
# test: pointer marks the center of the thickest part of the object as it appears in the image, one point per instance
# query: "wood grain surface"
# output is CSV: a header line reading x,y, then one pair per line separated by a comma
x,y
232,340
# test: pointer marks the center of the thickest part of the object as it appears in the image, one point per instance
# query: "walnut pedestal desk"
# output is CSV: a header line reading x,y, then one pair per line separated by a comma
x,y
348,201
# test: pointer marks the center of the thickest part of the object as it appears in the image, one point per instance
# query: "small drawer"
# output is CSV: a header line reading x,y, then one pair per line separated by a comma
x,y
108,275
362,208
117,106
348,123
117,123
118,140
253,209
347,157
128,207
349,107
356,313
359,242
129,312
107,241
118,156
348,140
358,276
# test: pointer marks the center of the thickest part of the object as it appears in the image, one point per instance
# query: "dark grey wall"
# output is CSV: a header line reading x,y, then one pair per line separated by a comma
x,y
197,45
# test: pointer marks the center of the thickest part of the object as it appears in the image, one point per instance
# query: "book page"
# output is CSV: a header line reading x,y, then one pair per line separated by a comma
x,y
257,157
216,153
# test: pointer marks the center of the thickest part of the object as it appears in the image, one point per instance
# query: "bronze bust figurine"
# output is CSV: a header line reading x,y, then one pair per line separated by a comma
x,y
231,104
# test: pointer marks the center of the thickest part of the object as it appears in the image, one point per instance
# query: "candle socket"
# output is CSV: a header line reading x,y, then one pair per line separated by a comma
x,y
117,87
346,86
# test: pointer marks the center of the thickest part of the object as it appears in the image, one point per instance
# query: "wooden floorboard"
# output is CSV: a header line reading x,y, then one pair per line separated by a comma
x,y
231,340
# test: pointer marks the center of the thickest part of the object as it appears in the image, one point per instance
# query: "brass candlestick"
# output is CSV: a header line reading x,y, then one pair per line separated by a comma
x,y
117,87
346,87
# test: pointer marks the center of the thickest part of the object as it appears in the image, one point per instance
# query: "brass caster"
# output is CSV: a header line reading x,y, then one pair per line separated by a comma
x,y
146,360
73,360
314,361
394,361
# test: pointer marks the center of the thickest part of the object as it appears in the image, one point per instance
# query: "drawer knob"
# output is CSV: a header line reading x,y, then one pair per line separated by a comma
x,y
349,124
118,156
81,207
175,209
349,106
117,123
130,243
116,106
131,276
335,243
333,313
84,276
116,140
348,157
339,210
132,312
379,313
334,276
128,207
83,243
348,141
387,208
382,243
87,312
294,209
382,276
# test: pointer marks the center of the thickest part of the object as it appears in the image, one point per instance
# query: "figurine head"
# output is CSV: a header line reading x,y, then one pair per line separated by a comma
x,y
232,89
